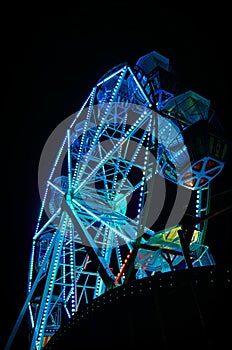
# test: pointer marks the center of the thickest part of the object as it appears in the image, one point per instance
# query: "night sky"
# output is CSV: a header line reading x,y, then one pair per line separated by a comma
x,y
51,60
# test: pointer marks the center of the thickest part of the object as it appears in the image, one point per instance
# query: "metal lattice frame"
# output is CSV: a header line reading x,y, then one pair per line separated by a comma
x,y
87,230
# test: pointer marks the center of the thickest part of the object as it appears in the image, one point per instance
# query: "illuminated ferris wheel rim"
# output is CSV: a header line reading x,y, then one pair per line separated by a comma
x,y
86,241
109,155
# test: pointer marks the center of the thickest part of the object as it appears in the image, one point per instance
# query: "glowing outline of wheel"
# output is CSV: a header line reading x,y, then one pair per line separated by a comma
x,y
100,287
59,237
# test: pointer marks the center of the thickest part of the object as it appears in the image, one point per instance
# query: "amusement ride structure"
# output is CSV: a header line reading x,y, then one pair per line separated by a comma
x,y
127,196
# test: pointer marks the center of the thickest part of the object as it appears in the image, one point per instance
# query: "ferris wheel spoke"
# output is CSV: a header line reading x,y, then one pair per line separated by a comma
x,y
131,226
56,188
89,155
91,246
139,122
124,227
52,218
99,219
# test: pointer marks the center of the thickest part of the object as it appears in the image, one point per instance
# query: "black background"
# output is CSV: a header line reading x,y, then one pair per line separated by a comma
x,y
52,57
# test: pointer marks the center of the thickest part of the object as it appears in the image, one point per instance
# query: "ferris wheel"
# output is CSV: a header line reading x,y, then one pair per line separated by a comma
x,y
116,180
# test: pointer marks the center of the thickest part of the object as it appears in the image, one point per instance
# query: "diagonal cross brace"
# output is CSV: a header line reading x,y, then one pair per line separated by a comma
x,y
91,247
